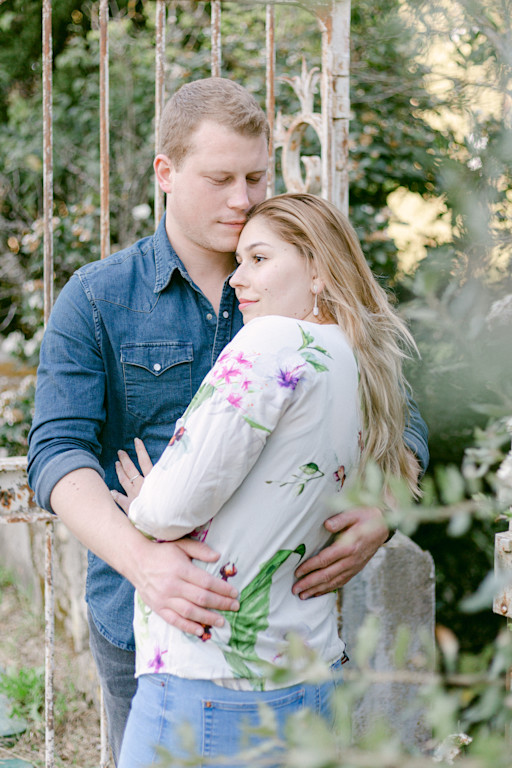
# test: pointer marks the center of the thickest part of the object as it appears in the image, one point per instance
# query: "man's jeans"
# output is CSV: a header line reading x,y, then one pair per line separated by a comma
x,y
116,670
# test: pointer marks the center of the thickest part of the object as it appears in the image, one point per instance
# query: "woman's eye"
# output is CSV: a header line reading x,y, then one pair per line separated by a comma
x,y
258,257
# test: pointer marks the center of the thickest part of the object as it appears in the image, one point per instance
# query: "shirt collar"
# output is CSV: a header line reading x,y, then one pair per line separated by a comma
x,y
166,259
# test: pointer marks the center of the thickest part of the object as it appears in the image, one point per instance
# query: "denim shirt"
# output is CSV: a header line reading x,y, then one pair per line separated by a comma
x,y
129,341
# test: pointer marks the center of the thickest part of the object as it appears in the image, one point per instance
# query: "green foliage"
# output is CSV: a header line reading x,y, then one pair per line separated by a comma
x,y
467,710
457,300
24,687
16,412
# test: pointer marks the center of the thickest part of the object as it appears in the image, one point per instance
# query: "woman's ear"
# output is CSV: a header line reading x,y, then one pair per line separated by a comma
x,y
317,285
164,172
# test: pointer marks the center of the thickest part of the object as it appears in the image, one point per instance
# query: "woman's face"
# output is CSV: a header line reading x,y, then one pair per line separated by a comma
x,y
272,278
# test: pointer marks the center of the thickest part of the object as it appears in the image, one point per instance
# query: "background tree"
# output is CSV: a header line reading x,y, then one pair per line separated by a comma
x,y
403,135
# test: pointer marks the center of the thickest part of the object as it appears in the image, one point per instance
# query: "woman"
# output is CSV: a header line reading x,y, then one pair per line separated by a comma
x,y
307,391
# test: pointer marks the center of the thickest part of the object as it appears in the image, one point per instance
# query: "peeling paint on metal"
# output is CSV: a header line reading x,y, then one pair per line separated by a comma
x,y
216,38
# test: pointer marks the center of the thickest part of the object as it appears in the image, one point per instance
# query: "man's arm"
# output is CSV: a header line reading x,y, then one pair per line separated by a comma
x,y
361,531
181,593
66,475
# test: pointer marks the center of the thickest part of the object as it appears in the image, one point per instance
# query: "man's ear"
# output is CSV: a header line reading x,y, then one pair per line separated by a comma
x,y
164,172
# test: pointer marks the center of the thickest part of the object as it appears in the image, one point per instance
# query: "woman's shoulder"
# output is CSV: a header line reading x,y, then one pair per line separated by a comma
x,y
273,332
269,334
282,343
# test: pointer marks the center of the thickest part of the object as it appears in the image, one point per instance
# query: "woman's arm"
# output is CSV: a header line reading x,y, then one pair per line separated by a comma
x,y
220,437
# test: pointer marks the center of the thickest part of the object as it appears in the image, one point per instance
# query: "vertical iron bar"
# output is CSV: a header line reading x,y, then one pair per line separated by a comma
x,y
271,96
49,655
326,115
104,756
159,95
104,231
335,25
216,39
49,604
47,159
104,132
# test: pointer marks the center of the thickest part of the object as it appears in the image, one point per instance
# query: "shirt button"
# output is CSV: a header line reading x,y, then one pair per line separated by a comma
x,y
209,316
225,314
157,367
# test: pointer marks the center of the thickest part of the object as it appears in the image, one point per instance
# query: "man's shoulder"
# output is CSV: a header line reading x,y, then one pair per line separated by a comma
x,y
111,278
125,260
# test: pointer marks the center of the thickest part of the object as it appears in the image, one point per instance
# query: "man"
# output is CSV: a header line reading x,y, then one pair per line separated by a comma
x,y
128,343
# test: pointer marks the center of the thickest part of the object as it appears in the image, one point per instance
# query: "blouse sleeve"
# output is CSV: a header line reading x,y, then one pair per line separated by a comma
x,y
219,438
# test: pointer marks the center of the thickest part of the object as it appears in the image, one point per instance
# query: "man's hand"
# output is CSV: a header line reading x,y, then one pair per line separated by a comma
x,y
183,594
360,534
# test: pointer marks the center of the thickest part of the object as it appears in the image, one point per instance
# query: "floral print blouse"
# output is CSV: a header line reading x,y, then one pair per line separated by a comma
x,y
270,437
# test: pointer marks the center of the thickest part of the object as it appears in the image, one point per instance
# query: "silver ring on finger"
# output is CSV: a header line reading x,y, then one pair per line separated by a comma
x,y
131,479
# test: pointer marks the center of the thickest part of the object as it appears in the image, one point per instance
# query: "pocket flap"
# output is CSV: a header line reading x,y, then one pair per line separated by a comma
x,y
157,357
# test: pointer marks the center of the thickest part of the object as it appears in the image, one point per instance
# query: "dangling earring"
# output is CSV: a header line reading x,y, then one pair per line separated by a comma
x,y
315,307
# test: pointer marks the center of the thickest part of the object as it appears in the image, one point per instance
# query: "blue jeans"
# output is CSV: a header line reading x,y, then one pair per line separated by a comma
x,y
218,716
116,672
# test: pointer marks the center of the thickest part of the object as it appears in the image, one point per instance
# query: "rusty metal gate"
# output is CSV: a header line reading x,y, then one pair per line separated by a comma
x,y
325,174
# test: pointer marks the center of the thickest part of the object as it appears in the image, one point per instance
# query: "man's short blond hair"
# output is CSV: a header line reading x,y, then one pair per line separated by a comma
x,y
213,98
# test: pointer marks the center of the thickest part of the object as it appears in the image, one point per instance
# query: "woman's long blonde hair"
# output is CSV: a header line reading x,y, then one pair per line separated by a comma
x,y
360,306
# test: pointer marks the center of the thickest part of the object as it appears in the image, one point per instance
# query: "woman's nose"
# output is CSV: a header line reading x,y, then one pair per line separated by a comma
x,y
237,277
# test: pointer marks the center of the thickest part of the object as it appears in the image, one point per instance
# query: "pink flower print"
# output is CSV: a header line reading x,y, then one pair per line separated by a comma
x,y
241,360
201,532
289,379
157,663
228,373
340,476
235,400
245,385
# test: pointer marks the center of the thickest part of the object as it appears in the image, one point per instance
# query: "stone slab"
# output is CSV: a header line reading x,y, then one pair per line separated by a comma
x,y
9,726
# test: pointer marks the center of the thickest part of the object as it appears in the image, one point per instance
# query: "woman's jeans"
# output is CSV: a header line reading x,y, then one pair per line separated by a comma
x,y
218,716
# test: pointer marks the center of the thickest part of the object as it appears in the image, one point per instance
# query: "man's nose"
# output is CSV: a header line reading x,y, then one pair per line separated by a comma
x,y
239,196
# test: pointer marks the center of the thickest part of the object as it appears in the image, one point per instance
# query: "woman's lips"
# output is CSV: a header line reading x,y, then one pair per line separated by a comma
x,y
243,303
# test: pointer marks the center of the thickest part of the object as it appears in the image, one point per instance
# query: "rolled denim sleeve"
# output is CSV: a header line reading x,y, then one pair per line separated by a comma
x,y
70,395
416,435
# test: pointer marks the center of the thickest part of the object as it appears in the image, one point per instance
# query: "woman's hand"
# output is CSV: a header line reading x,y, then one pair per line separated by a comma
x,y
129,476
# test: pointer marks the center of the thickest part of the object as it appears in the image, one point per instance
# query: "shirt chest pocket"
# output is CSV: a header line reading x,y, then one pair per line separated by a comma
x,y
157,379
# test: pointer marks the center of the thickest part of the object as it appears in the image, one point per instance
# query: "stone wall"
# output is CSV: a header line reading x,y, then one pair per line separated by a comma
x,y
397,587
22,551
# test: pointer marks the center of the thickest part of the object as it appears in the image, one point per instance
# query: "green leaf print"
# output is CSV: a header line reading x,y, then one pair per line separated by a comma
x,y
142,634
307,339
255,425
308,343
204,393
310,469
252,618
311,359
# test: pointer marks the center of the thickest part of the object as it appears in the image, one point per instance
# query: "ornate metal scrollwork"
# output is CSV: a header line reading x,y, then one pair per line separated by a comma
x,y
289,134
